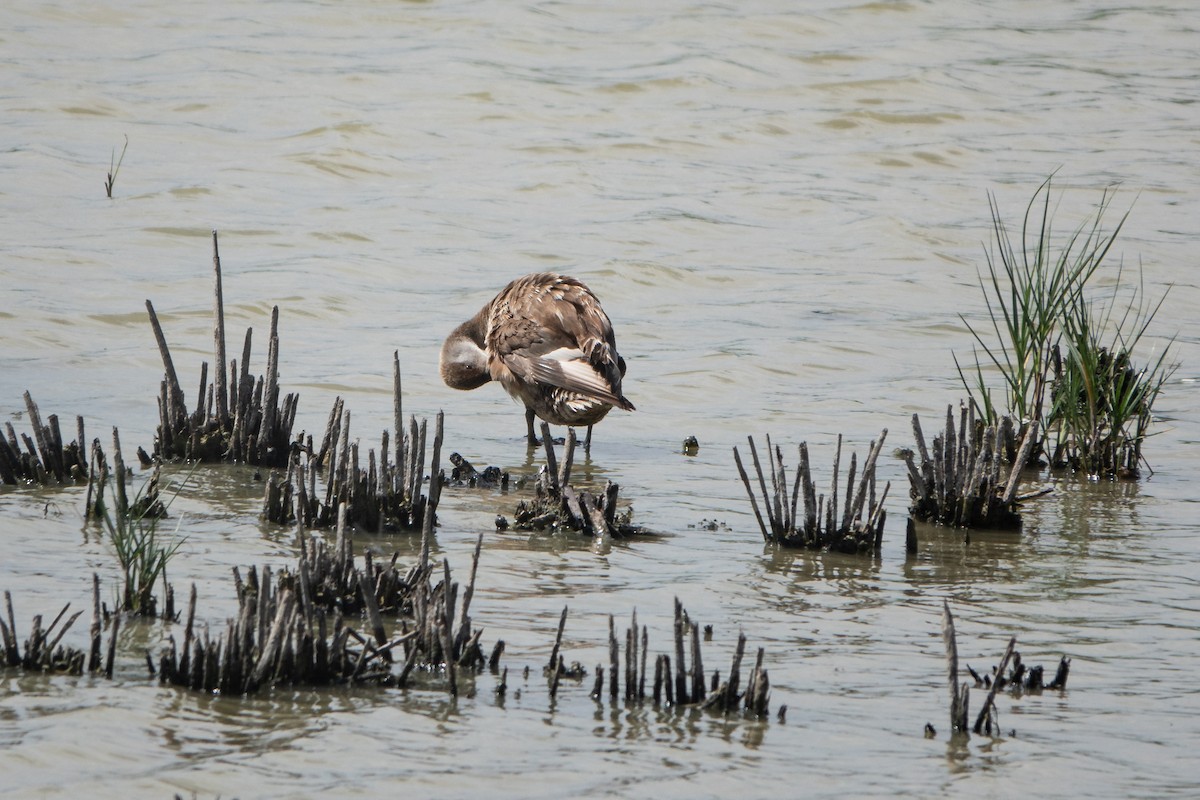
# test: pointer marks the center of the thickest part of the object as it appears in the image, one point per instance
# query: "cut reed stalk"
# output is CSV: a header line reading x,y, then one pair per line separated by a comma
x,y
557,505
966,483
859,527
236,419
44,459
383,498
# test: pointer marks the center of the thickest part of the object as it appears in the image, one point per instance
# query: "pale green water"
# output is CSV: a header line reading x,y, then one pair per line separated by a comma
x,y
782,207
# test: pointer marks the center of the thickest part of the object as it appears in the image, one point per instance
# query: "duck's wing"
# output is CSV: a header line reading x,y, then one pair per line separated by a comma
x,y
551,329
570,370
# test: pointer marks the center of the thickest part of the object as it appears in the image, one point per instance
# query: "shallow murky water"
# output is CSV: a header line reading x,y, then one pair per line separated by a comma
x,y
782,207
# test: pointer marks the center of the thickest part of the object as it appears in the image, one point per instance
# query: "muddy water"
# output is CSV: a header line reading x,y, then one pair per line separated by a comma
x,y
782,207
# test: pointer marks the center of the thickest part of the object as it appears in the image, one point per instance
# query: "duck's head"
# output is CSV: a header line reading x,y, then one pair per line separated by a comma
x,y
463,362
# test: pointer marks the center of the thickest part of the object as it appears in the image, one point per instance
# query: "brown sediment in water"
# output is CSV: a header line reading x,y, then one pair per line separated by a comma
x,y
821,527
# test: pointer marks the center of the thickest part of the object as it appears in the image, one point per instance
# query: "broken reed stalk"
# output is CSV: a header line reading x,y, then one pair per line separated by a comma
x,y
43,651
964,483
857,529
556,505
989,714
384,497
235,419
220,388
292,630
1019,679
959,695
44,458
683,686
554,667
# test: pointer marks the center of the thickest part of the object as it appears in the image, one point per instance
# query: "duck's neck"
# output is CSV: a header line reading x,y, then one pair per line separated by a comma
x,y
463,362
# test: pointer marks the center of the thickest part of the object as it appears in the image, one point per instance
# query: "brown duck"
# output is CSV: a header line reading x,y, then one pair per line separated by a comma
x,y
546,339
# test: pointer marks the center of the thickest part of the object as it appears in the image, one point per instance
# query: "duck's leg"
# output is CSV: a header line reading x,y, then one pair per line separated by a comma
x,y
533,440
587,441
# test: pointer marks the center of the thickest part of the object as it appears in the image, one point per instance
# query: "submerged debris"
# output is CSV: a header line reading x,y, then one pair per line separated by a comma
x,y
558,505
44,458
465,474
965,482
821,528
386,496
237,419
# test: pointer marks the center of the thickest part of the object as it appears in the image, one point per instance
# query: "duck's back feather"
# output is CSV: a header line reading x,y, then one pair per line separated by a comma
x,y
550,329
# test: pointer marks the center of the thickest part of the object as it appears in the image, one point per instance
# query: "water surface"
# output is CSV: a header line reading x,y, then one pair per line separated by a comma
x,y
783,207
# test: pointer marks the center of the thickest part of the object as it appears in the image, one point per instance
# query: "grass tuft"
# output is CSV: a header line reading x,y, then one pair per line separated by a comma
x,y
1064,355
113,170
140,549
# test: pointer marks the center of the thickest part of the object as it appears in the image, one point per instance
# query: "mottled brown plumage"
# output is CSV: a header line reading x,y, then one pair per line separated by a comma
x,y
546,339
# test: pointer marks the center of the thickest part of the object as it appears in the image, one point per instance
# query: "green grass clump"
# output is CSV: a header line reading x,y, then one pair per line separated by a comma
x,y
140,549
1065,355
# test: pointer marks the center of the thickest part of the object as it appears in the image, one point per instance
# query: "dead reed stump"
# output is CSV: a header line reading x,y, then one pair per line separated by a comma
x,y
236,419
441,638
556,505
44,459
384,495
1016,679
857,527
43,649
276,639
969,479
291,628
678,683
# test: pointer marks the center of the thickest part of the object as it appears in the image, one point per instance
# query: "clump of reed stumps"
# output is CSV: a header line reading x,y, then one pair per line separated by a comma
x,y
293,631
556,505
237,418
1010,675
680,687
43,651
44,458
384,496
856,528
970,479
